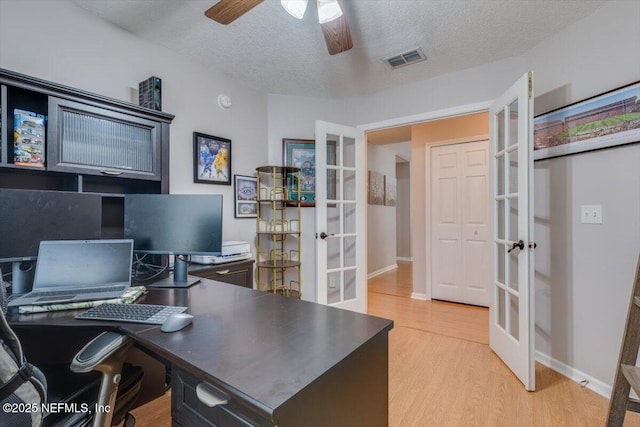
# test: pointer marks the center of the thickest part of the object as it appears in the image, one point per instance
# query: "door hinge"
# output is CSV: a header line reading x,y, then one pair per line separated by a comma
x,y
530,84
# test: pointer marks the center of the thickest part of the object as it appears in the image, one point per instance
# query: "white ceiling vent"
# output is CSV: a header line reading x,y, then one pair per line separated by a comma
x,y
405,58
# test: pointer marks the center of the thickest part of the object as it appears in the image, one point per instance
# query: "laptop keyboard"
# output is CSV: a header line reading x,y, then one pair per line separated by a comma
x,y
133,313
38,294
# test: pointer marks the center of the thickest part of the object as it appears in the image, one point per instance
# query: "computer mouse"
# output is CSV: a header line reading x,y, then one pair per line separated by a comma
x,y
176,321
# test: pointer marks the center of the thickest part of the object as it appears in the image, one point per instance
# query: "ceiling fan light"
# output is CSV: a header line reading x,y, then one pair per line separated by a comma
x,y
328,10
295,8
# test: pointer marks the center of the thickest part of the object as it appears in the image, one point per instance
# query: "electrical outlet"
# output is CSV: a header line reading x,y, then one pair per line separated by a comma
x,y
332,281
591,214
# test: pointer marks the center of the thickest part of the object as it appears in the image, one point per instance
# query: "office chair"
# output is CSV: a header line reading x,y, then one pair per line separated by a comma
x,y
101,398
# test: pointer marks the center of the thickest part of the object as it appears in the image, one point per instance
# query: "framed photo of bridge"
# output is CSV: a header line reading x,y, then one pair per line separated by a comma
x,y
602,121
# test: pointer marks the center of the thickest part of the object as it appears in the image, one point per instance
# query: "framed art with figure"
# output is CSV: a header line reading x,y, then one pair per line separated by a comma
x,y
211,159
301,153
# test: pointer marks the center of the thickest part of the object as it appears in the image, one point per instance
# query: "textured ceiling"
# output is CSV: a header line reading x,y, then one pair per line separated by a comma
x,y
273,52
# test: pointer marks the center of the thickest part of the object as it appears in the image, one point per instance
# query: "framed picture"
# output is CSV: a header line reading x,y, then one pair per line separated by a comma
x,y
301,153
376,188
245,190
389,191
602,121
211,159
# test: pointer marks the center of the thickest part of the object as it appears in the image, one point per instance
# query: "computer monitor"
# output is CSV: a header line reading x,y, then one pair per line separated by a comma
x,y
175,224
29,216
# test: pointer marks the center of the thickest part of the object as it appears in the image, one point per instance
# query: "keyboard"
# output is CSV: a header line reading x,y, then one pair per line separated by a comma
x,y
132,313
38,294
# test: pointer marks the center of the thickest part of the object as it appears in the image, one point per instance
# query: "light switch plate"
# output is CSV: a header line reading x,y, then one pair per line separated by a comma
x,y
591,214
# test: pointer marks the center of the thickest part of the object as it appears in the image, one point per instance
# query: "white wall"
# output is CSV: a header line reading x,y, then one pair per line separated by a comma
x,y
381,220
584,273
403,211
56,41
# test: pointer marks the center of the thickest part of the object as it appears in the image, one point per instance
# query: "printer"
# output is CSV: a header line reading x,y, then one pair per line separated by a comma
x,y
231,251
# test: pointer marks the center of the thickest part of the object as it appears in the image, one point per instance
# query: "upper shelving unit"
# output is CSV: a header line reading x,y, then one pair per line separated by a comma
x,y
54,137
82,141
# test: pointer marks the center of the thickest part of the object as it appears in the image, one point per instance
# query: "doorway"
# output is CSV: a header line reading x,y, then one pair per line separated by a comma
x,y
440,129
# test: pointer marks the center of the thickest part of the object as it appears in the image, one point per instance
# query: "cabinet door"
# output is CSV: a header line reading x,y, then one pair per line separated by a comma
x,y
97,141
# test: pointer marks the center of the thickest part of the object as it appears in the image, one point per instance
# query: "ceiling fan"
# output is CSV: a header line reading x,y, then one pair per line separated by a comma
x,y
330,16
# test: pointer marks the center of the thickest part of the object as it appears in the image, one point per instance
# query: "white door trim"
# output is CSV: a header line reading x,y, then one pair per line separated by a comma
x,y
413,119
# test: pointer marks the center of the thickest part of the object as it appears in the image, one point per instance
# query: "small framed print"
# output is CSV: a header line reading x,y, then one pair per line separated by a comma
x,y
211,159
246,205
376,188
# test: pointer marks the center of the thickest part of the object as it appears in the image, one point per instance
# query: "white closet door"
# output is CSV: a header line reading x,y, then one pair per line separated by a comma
x,y
459,227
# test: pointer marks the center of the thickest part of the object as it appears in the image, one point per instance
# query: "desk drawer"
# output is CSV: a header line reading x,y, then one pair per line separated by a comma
x,y
236,273
187,409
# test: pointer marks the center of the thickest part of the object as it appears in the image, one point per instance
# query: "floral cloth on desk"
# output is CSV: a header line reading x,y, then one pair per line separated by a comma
x,y
129,296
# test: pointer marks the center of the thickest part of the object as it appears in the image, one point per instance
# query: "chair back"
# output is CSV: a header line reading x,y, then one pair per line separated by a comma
x,y
22,385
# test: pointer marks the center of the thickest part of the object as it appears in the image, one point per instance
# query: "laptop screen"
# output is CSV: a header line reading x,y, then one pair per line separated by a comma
x,y
83,263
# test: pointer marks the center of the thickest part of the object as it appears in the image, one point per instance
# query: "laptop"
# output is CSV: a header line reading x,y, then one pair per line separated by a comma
x,y
79,270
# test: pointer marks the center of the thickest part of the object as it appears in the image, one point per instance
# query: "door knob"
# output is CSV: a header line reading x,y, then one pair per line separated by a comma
x,y
324,235
519,245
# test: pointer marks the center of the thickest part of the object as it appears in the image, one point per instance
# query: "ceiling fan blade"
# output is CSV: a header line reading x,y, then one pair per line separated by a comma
x,y
227,11
337,35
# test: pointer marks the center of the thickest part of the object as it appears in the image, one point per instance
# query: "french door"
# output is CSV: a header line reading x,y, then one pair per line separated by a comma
x,y
511,332
340,216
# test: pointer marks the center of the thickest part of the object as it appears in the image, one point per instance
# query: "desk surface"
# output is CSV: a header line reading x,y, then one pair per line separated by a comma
x,y
265,347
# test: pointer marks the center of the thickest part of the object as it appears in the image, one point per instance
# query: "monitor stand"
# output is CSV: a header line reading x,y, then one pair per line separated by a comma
x,y
180,278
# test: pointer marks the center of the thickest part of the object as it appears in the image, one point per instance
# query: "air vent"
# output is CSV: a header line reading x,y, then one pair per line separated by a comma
x,y
405,58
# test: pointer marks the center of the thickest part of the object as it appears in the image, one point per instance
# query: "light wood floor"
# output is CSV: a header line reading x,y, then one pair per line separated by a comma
x,y
442,372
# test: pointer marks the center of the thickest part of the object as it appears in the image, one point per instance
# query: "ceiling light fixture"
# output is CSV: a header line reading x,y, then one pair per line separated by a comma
x,y
295,8
328,10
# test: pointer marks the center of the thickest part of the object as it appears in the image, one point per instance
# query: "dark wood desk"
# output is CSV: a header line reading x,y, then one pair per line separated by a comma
x,y
279,361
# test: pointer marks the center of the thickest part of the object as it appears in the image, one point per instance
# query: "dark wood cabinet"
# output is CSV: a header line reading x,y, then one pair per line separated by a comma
x,y
97,141
236,273
91,144
85,134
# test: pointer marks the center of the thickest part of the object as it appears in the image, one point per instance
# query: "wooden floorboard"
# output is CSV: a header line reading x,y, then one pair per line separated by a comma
x,y
443,373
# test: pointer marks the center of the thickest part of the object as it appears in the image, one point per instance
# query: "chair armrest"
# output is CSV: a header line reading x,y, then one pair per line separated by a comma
x,y
98,350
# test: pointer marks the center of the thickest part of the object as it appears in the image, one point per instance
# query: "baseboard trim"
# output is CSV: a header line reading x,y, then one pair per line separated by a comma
x,y
574,374
403,258
416,295
382,270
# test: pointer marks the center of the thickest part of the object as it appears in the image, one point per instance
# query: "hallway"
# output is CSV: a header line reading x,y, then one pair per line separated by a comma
x,y
390,297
